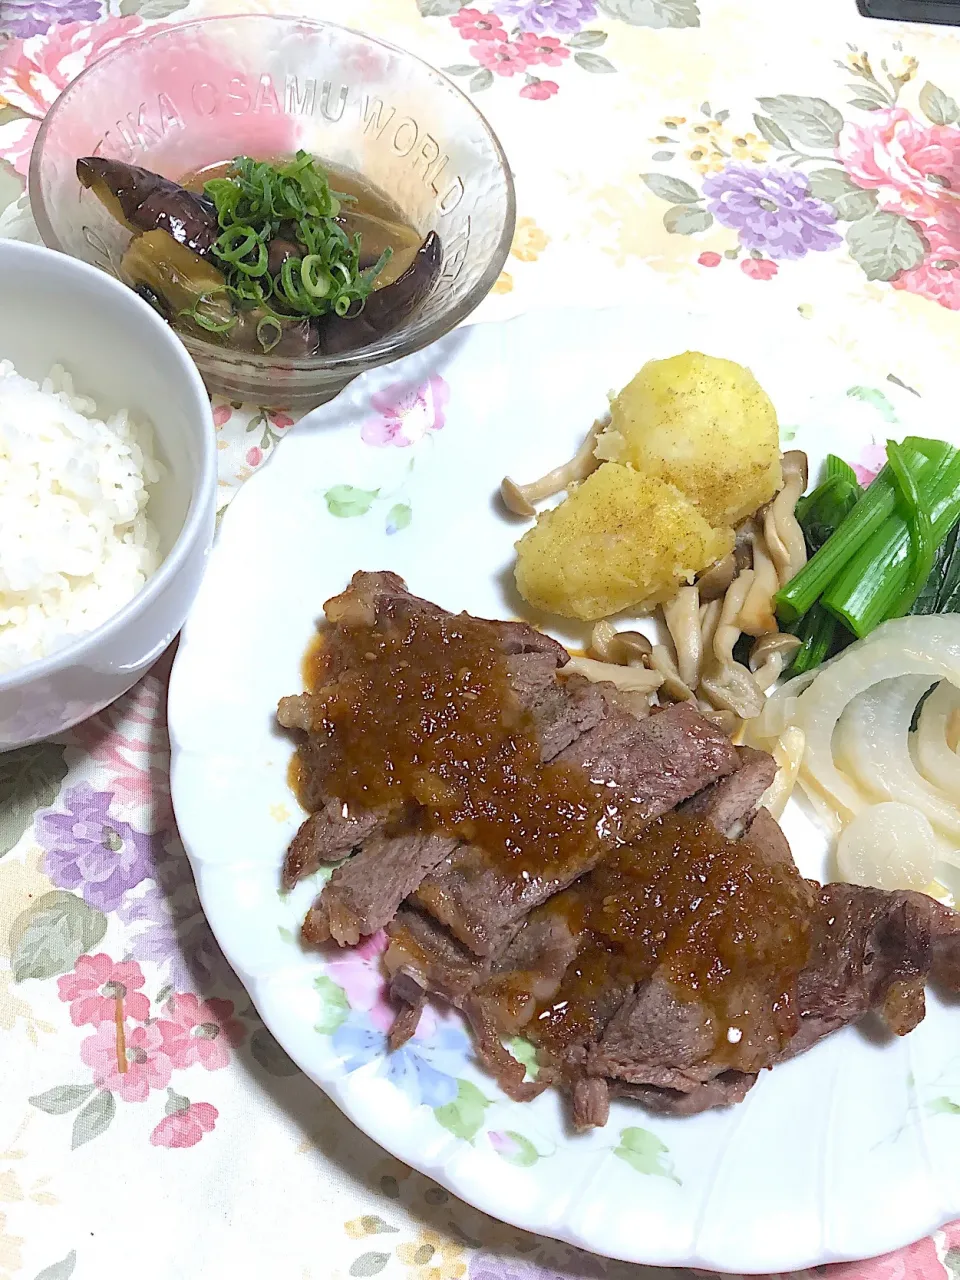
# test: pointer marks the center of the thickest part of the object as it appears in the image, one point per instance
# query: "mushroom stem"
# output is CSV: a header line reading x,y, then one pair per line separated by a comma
x,y
631,679
709,617
674,686
519,498
768,657
757,617
682,616
726,684
728,630
781,528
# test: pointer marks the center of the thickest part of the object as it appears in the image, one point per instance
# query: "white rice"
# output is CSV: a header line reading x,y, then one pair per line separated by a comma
x,y
75,543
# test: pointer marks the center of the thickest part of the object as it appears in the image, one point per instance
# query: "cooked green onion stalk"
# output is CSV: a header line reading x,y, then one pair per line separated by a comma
x,y
818,633
918,520
941,591
874,506
877,579
821,512
258,203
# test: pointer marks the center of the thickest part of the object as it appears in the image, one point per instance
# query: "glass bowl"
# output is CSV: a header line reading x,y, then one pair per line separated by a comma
x,y
198,93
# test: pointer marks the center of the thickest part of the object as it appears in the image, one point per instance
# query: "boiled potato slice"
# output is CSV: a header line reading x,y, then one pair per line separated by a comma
x,y
702,424
621,539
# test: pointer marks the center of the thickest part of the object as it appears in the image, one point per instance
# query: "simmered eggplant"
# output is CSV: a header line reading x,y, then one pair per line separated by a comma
x,y
191,294
266,257
144,201
387,308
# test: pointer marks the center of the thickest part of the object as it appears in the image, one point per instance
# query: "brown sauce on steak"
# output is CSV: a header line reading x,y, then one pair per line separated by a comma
x,y
421,722
703,913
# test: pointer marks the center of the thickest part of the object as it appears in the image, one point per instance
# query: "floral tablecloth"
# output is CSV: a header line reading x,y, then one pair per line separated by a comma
x,y
795,154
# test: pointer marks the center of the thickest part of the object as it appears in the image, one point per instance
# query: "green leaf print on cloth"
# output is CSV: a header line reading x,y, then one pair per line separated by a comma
x,y
95,1118
937,106
849,201
654,13
61,1099
61,1270
810,121
29,780
885,244
50,936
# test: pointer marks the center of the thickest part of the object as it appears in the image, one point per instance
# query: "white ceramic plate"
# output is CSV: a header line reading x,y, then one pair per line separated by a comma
x,y
847,1152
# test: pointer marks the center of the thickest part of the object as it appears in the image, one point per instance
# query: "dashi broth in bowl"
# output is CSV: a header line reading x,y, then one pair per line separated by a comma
x,y
394,135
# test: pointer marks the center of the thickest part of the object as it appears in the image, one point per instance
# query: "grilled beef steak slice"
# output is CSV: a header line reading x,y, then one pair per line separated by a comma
x,y
646,766
723,1090
373,598
422,953
871,950
560,712
730,805
767,840
363,894
444,967
326,836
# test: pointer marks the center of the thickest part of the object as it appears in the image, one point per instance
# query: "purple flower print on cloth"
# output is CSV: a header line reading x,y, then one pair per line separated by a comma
x,y
172,931
565,16
22,18
90,850
772,209
156,939
407,413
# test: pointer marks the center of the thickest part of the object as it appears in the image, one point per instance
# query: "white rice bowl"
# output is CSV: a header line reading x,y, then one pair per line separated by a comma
x,y
75,542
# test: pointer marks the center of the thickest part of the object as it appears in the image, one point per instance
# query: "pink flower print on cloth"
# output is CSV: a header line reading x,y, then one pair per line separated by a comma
x,y
914,167
185,1128
99,986
406,413
201,1031
127,1060
938,276
34,72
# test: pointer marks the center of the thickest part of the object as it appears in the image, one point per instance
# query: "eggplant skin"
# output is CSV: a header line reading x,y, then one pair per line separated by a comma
x,y
385,309
144,201
176,281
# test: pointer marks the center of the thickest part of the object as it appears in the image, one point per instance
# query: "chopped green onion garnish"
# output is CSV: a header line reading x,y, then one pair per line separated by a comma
x,y
313,276
258,202
209,322
264,337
